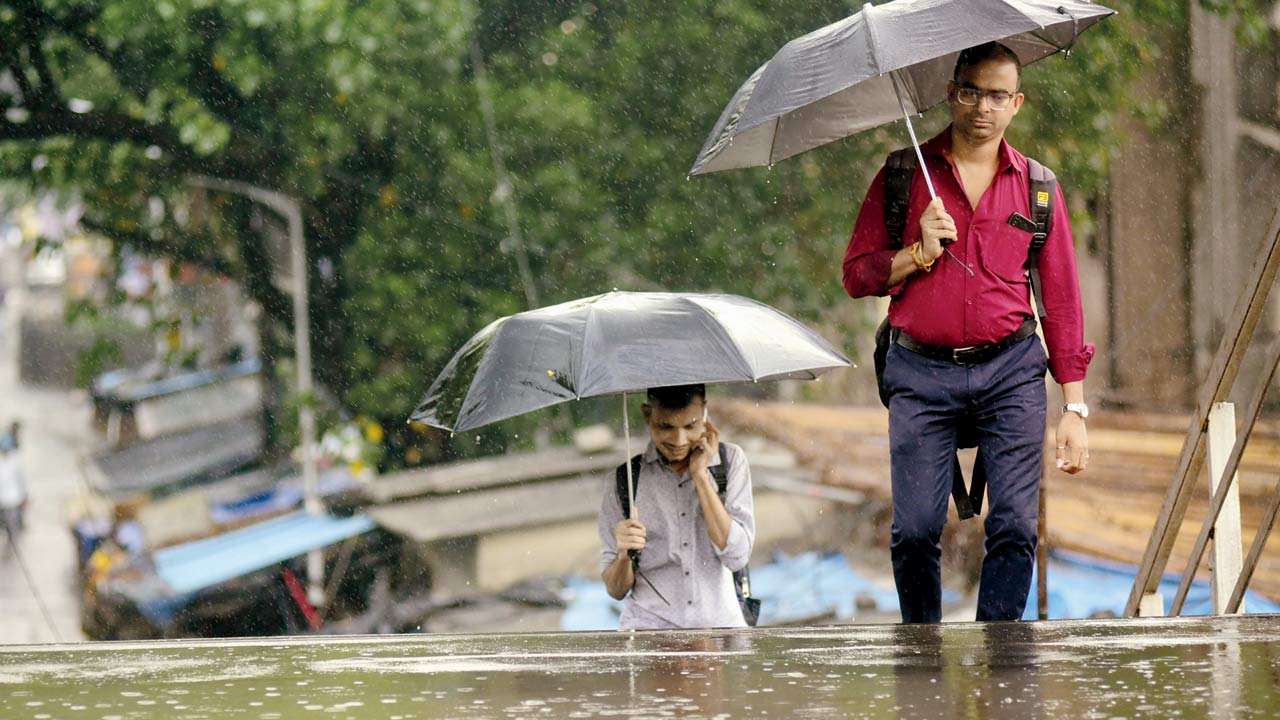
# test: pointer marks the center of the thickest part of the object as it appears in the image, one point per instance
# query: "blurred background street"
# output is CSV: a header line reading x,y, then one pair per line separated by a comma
x,y
55,437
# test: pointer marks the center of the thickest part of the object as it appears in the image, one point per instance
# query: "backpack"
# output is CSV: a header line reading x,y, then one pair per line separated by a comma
x,y
899,168
720,473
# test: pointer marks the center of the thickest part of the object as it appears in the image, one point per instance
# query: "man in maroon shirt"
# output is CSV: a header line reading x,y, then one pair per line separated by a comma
x,y
974,298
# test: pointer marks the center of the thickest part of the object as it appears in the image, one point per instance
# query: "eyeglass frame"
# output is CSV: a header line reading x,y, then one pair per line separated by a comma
x,y
988,94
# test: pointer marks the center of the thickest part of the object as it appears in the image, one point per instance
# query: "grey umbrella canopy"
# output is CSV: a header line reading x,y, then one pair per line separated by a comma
x,y
618,342
875,66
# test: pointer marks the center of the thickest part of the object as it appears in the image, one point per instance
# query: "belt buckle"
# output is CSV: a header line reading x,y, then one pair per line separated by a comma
x,y
957,354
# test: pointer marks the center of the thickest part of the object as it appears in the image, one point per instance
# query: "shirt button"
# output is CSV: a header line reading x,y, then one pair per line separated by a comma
x,y
685,544
681,514
686,572
690,602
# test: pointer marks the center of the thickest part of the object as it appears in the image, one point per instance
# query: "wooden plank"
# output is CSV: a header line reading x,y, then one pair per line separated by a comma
x,y
1222,376
492,472
544,502
505,508
1227,484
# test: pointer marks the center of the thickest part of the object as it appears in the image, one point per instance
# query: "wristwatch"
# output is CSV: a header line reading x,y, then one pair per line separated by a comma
x,y
1078,408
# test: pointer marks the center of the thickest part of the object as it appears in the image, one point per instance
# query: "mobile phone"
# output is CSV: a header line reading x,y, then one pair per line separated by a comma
x,y
1022,222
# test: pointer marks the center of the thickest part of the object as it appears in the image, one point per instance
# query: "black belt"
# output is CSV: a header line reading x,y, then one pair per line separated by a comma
x,y
973,355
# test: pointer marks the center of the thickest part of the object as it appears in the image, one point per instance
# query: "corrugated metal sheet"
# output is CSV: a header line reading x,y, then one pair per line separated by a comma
x,y
178,460
205,563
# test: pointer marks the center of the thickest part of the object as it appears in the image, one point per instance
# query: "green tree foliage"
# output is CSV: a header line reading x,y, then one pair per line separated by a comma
x,y
370,114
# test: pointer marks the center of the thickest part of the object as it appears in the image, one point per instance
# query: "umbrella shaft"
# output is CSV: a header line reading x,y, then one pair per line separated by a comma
x,y
911,130
631,482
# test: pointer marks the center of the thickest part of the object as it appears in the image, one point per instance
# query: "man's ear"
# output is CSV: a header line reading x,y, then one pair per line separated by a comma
x,y
646,411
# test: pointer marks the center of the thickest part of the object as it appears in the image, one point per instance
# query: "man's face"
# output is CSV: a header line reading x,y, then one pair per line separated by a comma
x,y
675,431
981,122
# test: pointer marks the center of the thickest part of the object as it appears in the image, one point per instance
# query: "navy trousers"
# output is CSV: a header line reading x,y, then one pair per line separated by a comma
x,y
1003,401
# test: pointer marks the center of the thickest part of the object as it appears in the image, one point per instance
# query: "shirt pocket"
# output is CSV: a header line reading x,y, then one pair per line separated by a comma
x,y
1004,250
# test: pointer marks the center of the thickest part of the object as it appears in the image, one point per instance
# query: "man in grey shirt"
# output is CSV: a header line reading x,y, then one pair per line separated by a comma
x,y
692,541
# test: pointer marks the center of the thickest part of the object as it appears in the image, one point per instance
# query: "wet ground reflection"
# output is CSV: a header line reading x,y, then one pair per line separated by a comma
x,y
1193,668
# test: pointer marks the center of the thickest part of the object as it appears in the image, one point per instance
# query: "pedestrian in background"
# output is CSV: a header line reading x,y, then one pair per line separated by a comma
x,y
13,489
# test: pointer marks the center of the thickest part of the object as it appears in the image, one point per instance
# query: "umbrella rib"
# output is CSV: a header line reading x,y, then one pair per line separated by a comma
x,y
871,35
1036,34
773,141
462,405
742,353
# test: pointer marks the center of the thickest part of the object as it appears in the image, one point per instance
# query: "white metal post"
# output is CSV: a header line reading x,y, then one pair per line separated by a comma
x,y
290,209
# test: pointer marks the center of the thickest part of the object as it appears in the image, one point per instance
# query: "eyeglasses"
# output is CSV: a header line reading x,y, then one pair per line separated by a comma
x,y
996,99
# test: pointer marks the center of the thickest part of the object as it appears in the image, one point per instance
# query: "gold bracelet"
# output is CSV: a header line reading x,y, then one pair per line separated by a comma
x,y
917,257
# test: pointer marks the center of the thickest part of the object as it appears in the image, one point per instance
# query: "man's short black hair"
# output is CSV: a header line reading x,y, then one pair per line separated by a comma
x,y
986,51
677,397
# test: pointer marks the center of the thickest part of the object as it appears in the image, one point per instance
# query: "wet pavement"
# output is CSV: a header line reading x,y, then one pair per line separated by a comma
x,y
39,602
1223,667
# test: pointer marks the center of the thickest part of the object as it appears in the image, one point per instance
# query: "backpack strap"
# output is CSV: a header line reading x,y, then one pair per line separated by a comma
x,y
899,168
620,483
741,578
1041,185
721,472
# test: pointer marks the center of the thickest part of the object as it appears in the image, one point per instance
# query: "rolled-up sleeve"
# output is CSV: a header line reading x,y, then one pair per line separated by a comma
x,y
739,503
869,258
610,515
1069,354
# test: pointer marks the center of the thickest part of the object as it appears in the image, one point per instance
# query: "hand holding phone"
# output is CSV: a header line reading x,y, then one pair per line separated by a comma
x,y
707,446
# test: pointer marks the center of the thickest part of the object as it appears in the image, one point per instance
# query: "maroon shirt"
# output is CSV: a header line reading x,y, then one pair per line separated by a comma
x,y
950,307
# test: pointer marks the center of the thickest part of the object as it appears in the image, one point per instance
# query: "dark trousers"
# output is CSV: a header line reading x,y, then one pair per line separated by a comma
x,y
1002,401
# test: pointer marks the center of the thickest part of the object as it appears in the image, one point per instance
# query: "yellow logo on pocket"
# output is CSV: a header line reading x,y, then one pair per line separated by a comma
x,y
1042,198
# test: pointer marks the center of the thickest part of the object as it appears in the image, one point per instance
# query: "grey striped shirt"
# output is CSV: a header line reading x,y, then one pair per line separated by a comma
x,y
679,557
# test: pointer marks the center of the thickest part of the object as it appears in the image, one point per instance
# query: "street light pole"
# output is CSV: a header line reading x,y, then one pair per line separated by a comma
x,y
289,208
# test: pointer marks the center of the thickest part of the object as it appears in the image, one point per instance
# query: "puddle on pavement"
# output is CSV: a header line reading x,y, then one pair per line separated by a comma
x,y
1221,667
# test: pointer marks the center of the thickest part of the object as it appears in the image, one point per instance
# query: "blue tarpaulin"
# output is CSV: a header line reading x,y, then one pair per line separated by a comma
x,y
1081,586
205,563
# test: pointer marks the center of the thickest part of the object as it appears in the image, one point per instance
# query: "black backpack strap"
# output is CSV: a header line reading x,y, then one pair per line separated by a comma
x,y
959,493
968,500
721,472
741,578
899,168
620,483
1042,186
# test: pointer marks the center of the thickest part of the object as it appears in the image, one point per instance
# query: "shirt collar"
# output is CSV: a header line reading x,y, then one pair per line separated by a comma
x,y
940,146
